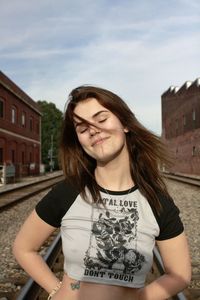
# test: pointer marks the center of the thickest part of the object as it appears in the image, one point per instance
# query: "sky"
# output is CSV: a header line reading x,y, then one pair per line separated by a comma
x,y
137,49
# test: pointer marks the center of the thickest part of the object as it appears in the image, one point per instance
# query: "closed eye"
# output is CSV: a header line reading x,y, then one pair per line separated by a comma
x,y
101,121
83,130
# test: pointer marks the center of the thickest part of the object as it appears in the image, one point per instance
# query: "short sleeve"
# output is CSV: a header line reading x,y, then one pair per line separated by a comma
x,y
52,207
169,220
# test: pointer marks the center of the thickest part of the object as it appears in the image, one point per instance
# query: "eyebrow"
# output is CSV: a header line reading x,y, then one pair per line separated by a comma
x,y
85,121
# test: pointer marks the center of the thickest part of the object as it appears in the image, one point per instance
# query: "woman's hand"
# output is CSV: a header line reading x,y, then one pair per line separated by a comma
x,y
176,260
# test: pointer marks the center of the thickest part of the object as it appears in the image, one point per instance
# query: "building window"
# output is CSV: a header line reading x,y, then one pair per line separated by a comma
x,y
177,153
176,127
31,124
14,115
23,119
193,115
37,128
13,156
23,157
193,151
1,108
170,129
1,156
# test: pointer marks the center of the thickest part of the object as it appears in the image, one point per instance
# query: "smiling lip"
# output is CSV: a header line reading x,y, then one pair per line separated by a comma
x,y
99,141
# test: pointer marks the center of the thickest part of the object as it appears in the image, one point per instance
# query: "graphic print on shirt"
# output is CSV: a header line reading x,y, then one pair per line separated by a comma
x,y
113,244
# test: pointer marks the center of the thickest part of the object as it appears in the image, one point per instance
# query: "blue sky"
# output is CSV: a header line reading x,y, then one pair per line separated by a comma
x,y
137,49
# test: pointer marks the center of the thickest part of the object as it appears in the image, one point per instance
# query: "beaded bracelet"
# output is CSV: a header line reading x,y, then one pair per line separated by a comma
x,y
54,291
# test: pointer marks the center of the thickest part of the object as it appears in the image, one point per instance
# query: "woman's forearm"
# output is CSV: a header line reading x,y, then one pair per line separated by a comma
x,y
163,288
37,268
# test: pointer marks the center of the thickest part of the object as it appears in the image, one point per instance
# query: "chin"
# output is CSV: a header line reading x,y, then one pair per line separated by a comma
x,y
107,156
106,159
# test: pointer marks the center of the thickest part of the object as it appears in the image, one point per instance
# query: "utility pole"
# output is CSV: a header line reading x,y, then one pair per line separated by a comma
x,y
51,154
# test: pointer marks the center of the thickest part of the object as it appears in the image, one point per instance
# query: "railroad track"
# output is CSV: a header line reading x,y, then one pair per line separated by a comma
x,y
193,292
192,180
23,191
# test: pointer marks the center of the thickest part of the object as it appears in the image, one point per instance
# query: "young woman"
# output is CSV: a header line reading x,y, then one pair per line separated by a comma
x,y
111,209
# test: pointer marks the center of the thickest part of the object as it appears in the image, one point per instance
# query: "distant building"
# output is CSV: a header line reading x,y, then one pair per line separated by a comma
x,y
181,126
20,122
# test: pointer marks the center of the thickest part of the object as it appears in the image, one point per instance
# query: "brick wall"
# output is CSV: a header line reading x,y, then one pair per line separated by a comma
x,y
19,133
181,126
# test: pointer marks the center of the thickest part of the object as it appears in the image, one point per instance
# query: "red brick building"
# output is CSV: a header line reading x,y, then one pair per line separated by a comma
x,y
181,126
20,122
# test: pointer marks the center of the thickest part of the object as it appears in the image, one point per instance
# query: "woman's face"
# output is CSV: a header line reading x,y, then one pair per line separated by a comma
x,y
104,138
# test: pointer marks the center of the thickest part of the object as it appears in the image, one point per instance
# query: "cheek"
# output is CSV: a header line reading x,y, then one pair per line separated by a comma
x,y
82,139
115,125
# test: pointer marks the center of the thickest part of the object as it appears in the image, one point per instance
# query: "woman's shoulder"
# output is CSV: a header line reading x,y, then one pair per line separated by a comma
x,y
168,219
52,207
64,188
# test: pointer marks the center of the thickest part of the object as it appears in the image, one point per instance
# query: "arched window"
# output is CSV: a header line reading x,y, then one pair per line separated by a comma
x,y
1,156
2,108
23,120
37,128
31,123
193,114
193,151
14,115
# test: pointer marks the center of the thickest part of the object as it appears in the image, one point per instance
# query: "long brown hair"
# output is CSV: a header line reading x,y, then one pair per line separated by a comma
x,y
145,149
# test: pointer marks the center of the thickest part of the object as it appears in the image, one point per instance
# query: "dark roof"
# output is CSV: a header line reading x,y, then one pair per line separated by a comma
x,y
14,89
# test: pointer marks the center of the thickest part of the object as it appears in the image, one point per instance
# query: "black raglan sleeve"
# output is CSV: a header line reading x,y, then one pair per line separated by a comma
x,y
53,206
169,220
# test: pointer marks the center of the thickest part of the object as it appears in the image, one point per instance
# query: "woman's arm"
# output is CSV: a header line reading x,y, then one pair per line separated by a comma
x,y
31,236
176,259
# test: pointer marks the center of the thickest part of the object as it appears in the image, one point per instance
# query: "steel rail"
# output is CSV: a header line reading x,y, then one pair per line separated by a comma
x,y
21,185
11,197
192,180
31,289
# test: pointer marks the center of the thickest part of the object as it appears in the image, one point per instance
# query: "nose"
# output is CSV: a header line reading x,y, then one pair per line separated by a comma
x,y
94,130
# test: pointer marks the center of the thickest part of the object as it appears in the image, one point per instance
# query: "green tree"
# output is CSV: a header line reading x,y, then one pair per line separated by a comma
x,y
51,128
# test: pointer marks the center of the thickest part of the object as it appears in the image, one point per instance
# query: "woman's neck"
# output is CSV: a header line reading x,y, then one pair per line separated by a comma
x,y
114,176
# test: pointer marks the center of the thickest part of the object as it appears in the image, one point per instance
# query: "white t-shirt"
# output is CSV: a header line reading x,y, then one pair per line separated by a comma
x,y
111,243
